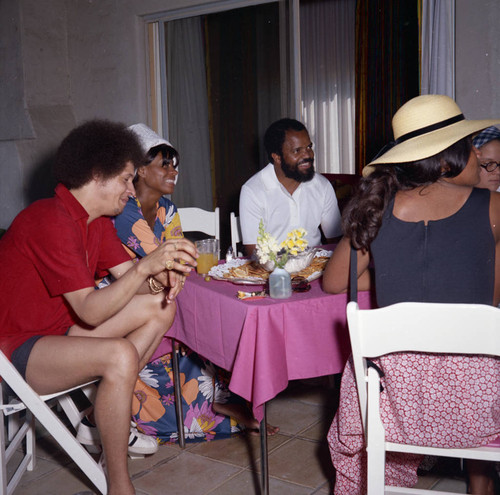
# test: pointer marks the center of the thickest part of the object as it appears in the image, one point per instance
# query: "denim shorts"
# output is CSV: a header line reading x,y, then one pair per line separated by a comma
x,y
20,356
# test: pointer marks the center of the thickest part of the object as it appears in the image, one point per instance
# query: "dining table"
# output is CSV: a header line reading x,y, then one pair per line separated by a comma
x,y
263,342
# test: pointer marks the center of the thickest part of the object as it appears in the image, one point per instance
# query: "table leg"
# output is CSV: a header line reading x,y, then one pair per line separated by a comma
x,y
264,461
178,394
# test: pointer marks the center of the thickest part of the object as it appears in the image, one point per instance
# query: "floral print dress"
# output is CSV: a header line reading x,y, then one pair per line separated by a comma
x,y
153,405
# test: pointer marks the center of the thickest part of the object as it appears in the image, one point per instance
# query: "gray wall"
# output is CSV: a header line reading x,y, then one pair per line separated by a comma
x,y
478,58
65,61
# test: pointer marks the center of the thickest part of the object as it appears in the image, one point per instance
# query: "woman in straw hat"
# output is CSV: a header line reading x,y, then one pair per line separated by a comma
x,y
432,236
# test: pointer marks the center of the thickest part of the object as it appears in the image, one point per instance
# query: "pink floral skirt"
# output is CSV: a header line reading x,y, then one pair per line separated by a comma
x,y
431,400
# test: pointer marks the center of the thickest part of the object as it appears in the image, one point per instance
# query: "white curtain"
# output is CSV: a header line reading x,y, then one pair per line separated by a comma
x,y
188,112
327,52
438,47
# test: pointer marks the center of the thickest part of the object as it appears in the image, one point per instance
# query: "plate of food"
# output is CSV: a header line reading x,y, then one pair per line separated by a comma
x,y
250,272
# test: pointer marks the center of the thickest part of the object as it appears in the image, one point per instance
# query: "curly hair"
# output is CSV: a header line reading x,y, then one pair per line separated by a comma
x,y
275,135
362,216
95,148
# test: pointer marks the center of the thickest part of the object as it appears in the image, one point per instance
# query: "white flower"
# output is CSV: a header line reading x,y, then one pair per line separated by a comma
x,y
194,430
147,376
169,215
206,381
268,249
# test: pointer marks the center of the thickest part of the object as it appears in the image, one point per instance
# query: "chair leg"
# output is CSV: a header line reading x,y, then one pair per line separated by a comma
x,y
69,443
178,394
375,438
74,414
14,422
3,460
30,441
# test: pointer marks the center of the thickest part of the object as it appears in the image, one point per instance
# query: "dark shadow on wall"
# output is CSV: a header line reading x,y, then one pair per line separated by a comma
x,y
41,182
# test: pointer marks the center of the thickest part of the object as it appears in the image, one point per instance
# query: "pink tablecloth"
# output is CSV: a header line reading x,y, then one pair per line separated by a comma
x,y
266,342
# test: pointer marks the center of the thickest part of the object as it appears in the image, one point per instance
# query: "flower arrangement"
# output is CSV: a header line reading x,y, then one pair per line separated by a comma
x,y
268,250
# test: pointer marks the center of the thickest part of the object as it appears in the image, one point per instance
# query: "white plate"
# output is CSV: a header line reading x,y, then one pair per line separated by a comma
x,y
217,272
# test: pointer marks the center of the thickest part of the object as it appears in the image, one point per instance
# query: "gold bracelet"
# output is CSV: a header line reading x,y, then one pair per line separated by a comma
x,y
154,286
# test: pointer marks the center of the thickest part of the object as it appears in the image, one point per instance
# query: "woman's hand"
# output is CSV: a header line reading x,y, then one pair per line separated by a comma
x,y
173,255
175,283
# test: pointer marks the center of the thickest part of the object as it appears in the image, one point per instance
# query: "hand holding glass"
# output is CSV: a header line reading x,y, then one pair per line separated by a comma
x,y
208,250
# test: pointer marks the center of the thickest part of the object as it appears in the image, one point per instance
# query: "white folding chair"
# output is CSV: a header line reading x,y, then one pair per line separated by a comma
x,y
235,233
199,220
38,407
417,327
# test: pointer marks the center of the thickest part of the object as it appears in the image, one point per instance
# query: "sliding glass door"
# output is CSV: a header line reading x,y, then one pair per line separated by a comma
x,y
218,79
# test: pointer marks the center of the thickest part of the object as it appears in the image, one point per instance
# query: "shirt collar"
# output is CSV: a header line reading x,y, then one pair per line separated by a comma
x,y
271,181
72,205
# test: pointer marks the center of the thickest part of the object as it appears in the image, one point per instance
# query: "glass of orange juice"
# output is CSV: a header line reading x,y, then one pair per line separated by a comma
x,y
208,250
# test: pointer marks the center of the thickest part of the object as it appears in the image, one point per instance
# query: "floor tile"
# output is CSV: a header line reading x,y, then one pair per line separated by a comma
x,y
317,432
151,462
247,483
186,473
242,450
42,468
67,481
451,485
292,417
321,391
302,462
299,460
427,482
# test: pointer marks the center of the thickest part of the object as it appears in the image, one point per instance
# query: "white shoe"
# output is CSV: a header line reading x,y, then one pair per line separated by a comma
x,y
141,444
87,433
138,443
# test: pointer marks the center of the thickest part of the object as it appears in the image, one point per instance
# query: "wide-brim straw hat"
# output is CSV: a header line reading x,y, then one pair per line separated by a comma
x,y
425,126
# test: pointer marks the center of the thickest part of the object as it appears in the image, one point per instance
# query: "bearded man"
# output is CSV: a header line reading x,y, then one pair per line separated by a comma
x,y
288,193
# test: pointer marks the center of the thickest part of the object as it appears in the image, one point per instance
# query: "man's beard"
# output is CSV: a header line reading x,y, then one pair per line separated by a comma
x,y
293,172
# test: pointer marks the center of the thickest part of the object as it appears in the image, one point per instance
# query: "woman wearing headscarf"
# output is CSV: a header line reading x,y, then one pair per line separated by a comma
x,y
148,220
432,237
487,144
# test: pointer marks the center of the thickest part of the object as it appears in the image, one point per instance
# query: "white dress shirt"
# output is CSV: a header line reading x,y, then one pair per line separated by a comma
x,y
312,204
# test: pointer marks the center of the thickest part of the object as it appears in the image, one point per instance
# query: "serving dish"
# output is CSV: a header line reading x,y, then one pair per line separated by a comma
x,y
225,271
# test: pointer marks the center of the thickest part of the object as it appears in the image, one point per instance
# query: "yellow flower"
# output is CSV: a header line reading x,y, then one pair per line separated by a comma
x,y
269,249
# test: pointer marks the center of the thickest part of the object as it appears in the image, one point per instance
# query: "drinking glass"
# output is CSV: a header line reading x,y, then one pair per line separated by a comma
x,y
208,250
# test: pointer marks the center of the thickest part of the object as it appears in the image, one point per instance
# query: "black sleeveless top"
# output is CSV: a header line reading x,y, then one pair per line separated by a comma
x,y
451,260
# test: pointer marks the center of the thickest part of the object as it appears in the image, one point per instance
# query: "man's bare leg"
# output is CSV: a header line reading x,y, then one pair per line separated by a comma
x,y
144,322
69,361
115,355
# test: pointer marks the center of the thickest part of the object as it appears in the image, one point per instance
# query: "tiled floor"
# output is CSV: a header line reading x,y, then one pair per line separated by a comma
x,y
299,461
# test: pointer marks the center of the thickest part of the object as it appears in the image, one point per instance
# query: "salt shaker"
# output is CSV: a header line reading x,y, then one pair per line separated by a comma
x,y
229,254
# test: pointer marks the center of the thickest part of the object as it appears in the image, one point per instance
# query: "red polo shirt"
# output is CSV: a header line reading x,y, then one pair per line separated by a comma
x,y
50,250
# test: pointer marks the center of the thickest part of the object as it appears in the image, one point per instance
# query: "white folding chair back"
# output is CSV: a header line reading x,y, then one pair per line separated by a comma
x,y
418,327
235,232
199,220
37,408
